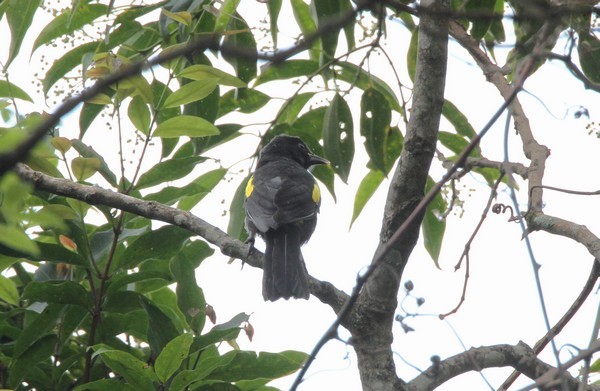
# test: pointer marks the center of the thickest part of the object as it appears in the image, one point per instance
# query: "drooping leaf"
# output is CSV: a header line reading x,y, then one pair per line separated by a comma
x,y
8,291
60,26
302,14
10,90
190,297
87,151
480,26
433,228
161,329
206,183
290,111
237,213
248,366
589,56
274,6
15,238
245,68
365,191
185,125
411,54
202,371
19,14
246,100
338,136
139,114
375,117
458,120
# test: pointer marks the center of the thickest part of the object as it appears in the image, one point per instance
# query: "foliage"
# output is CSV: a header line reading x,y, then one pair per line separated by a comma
x,y
87,298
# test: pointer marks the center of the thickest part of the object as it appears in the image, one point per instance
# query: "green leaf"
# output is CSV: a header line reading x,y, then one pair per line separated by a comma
x,y
325,11
433,228
480,26
135,372
595,367
248,366
42,349
88,114
290,111
247,100
190,298
161,328
9,90
302,14
15,238
172,356
274,6
85,167
456,143
338,136
241,37
589,56
458,120
226,11
19,14
287,70
206,183
351,73
8,291
139,114
203,370
365,191
411,54
375,117
60,25
202,72
38,327
105,385
89,152
185,125
191,92
237,213
168,170
191,194
160,244
64,292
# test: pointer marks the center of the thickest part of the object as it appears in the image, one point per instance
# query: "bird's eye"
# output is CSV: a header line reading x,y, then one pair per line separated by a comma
x,y
302,147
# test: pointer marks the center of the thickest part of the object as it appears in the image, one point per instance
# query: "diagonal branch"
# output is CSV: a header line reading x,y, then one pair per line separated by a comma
x,y
229,246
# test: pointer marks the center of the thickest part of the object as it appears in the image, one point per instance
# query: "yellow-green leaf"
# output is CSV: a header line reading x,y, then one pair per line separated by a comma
x,y
84,167
186,125
191,92
201,72
13,237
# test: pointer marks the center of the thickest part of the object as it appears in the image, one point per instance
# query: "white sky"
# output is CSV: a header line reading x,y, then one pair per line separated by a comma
x,y
501,306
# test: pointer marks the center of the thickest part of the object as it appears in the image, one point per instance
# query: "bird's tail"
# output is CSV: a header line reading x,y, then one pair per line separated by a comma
x,y
284,272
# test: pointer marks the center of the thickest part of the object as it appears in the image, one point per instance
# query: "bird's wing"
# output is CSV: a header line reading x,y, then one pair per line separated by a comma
x,y
295,199
259,203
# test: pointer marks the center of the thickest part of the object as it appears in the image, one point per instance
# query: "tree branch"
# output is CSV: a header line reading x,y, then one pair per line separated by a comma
x,y
229,246
520,356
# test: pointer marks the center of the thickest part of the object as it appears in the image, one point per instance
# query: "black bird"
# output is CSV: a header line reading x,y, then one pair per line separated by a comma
x,y
282,202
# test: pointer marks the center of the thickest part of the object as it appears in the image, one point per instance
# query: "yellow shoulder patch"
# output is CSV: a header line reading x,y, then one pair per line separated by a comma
x,y
250,187
316,194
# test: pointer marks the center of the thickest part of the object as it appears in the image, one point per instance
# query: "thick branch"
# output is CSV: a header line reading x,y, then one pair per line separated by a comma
x,y
229,246
521,357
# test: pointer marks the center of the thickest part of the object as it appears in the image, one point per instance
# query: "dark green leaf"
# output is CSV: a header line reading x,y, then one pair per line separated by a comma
x,y
589,56
37,328
185,125
246,100
8,291
241,37
59,26
9,90
200,72
190,297
375,117
161,329
65,292
19,14
168,170
432,227
338,136
172,356
206,183
274,6
227,132
302,14
480,25
325,12
287,70
88,114
365,191
160,244
205,367
105,385
40,350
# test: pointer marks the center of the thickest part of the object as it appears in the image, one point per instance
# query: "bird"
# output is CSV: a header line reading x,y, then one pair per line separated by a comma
x,y
282,200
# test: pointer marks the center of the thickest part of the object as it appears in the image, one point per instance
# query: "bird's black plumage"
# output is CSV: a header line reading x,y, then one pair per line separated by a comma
x,y
282,202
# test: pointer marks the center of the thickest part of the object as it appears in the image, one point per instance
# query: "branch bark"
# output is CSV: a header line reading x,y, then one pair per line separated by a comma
x,y
229,246
371,320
